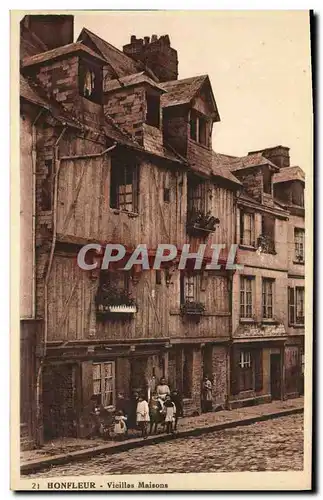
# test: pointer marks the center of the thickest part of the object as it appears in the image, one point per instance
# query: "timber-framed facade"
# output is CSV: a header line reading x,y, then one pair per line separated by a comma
x,y
116,149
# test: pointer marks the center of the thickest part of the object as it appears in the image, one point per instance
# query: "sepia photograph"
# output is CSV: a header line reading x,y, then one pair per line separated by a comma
x,y
164,165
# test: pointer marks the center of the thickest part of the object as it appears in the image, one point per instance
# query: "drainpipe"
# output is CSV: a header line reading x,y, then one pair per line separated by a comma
x,y
33,160
40,369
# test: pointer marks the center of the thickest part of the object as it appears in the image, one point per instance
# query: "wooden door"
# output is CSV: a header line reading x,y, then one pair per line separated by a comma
x,y
275,376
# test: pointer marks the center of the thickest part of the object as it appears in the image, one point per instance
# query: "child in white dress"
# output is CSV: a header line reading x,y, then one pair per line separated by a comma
x,y
120,428
143,417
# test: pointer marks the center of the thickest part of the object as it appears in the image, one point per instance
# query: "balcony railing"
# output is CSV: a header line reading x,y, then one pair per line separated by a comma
x,y
201,223
113,301
266,244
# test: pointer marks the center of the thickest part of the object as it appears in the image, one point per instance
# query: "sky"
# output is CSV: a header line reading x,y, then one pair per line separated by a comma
x,y
258,63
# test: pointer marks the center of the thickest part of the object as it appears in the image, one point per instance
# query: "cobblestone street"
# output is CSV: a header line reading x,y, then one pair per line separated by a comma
x,y
273,445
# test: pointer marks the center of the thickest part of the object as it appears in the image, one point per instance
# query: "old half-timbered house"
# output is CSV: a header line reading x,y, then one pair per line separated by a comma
x,y
117,150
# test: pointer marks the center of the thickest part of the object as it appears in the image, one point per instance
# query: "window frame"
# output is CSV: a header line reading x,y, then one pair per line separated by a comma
x,y
153,116
102,380
196,194
246,305
121,167
299,246
268,304
199,122
300,290
193,281
251,242
85,67
246,373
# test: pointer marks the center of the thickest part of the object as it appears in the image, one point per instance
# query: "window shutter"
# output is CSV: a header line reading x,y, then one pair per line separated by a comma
x,y
258,370
241,226
182,289
235,370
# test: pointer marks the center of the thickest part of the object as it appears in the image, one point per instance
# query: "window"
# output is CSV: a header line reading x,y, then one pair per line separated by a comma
x,y
190,288
246,284
247,229
246,373
166,195
202,131
104,382
153,109
90,81
299,235
267,179
296,305
267,298
298,194
196,195
124,185
47,187
267,239
199,128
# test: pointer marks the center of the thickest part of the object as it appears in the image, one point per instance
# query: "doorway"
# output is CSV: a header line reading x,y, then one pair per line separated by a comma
x,y
59,394
275,376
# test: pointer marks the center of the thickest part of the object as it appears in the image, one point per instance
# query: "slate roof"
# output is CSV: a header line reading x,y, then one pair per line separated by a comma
x,y
59,52
120,62
127,81
220,167
289,174
251,160
181,91
34,93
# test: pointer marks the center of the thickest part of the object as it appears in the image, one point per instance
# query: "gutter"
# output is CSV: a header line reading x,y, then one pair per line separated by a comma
x,y
40,369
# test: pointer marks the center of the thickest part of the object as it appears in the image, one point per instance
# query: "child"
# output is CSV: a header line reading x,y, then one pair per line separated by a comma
x,y
120,428
170,414
143,416
155,409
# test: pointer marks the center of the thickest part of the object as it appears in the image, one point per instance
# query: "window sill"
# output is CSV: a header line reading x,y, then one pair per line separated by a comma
x,y
204,146
299,262
297,325
269,321
247,320
247,247
131,215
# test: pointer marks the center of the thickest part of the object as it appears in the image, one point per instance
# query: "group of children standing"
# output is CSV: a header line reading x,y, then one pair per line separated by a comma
x,y
164,407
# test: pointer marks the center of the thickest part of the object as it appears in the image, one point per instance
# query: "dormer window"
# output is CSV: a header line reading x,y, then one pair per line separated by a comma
x,y
90,81
199,128
153,109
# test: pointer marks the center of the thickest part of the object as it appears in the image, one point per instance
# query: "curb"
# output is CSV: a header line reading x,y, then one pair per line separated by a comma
x,y
44,463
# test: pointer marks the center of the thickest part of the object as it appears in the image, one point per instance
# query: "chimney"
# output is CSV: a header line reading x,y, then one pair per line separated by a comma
x,y
279,155
156,53
53,30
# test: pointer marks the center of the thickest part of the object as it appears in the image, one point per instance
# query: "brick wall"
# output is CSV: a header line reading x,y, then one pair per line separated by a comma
x,y
61,79
128,108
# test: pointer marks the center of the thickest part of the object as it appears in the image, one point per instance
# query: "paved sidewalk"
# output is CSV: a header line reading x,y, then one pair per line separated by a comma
x,y
70,449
